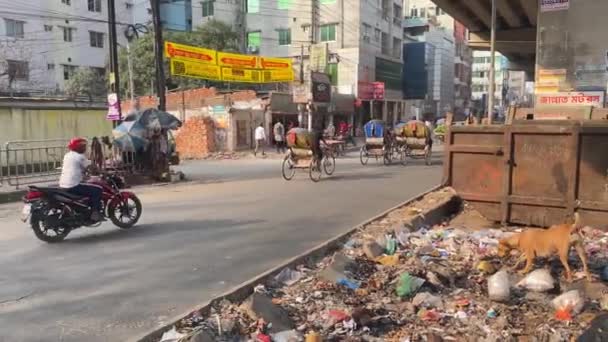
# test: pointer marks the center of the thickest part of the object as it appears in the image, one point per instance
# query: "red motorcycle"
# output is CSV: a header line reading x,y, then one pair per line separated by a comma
x,y
53,212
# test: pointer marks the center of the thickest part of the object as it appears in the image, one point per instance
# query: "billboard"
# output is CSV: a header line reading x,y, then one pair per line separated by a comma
x,y
196,62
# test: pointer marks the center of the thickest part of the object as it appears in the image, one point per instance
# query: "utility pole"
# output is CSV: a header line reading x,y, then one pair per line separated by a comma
x,y
158,52
114,74
492,80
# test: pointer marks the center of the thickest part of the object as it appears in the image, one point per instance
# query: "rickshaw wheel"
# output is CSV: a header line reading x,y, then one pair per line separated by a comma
x,y
427,156
329,164
288,170
315,171
364,157
403,155
387,157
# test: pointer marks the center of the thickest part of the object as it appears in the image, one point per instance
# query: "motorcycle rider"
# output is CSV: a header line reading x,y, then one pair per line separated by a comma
x,y
73,169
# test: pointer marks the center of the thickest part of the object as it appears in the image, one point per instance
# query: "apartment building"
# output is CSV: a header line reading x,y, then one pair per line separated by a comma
x,y
43,42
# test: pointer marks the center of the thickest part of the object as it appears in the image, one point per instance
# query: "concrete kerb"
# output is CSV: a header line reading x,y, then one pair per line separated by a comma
x,y
13,196
239,293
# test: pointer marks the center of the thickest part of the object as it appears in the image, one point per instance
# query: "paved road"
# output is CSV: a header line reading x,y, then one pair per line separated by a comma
x,y
195,241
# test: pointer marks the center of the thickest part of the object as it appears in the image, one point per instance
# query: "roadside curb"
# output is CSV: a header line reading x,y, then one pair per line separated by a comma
x,y
430,216
13,196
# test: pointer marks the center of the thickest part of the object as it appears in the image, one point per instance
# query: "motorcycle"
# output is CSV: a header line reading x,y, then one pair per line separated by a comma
x,y
53,212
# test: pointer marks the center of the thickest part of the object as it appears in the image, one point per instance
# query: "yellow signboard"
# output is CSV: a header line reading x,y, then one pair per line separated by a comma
x,y
196,70
279,75
275,63
241,75
190,53
192,61
235,60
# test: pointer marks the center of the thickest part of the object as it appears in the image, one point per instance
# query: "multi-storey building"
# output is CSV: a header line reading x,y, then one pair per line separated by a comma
x,y
43,42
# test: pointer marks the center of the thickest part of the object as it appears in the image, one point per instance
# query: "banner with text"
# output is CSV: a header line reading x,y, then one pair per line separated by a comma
x,y
196,62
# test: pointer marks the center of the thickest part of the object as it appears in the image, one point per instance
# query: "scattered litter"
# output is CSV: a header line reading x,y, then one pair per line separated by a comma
x,y
288,276
498,287
172,336
408,285
568,304
539,280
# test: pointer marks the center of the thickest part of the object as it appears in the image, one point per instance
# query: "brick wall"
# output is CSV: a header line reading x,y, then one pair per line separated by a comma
x,y
189,99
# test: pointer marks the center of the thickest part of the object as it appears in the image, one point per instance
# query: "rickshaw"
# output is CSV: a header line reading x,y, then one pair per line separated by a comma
x,y
413,139
300,156
377,143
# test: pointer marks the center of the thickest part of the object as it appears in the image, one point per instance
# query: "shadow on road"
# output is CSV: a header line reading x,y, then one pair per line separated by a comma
x,y
357,176
149,230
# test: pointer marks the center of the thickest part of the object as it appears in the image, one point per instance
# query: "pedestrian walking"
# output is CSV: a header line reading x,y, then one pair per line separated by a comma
x,y
260,137
279,137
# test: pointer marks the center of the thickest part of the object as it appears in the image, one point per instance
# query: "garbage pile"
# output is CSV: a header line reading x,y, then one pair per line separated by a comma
x,y
430,284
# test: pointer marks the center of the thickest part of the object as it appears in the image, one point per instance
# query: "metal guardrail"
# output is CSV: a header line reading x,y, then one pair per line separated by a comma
x,y
30,162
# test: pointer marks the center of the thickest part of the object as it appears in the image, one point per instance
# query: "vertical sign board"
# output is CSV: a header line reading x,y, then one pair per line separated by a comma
x,y
113,112
321,87
301,93
318,57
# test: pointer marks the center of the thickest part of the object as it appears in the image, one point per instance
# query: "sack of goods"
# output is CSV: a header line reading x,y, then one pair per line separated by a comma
x,y
374,141
299,138
414,129
301,152
416,143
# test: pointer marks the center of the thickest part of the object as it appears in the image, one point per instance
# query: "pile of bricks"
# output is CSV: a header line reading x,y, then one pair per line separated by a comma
x,y
196,138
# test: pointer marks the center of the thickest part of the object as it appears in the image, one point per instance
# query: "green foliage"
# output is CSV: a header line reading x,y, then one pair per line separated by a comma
x,y
87,82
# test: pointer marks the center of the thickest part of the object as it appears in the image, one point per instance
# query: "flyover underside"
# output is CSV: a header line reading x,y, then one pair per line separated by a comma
x,y
516,22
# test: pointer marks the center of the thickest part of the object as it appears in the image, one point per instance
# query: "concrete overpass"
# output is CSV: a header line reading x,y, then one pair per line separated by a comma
x,y
516,22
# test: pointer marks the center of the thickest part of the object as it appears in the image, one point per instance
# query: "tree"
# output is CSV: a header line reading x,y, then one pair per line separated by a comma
x,y
213,35
86,81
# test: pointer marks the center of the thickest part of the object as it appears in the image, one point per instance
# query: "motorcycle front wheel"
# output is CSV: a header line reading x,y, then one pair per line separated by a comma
x,y
124,213
49,235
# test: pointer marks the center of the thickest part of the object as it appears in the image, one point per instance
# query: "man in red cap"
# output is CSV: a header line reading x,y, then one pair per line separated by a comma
x,y
73,169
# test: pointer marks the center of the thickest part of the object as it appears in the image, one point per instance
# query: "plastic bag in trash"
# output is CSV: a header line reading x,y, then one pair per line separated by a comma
x,y
538,281
172,336
288,276
408,285
498,287
568,304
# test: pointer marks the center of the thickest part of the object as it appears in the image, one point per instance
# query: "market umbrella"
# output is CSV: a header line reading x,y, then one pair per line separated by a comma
x,y
154,119
130,136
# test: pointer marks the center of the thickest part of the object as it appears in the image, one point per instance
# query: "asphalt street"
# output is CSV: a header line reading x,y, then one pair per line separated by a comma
x,y
195,241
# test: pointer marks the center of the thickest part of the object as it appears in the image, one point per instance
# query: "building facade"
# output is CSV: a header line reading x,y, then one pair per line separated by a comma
x,y
43,42
447,39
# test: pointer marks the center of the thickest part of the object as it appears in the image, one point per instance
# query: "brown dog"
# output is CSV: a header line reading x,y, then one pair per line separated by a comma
x,y
545,242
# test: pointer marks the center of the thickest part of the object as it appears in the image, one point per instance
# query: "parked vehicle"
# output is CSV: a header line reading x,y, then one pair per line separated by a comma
x,y
53,212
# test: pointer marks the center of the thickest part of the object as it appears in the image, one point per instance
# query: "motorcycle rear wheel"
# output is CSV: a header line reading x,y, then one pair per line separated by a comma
x,y
116,212
42,233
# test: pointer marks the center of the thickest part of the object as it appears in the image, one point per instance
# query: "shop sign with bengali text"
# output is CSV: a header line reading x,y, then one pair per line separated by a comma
x,y
370,90
195,70
301,93
241,75
190,53
321,87
582,98
236,60
269,63
554,5
278,75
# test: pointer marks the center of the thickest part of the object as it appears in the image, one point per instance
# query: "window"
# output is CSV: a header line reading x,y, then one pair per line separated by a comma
x,y
423,13
18,70
284,4
414,12
68,71
367,32
68,34
328,33
50,66
94,5
254,40
48,28
284,36
208,9
96,39
14,28
129,5
253,6
397,46
67,2
377,34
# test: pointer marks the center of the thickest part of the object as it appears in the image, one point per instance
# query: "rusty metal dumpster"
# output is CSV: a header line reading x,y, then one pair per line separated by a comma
x,y
532,172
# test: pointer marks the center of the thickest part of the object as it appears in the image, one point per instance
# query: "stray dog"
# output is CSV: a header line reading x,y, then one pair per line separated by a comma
x,y
545,242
